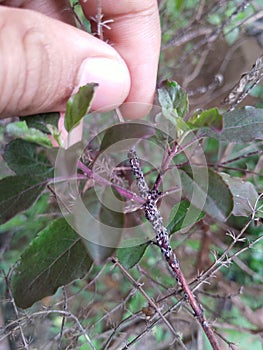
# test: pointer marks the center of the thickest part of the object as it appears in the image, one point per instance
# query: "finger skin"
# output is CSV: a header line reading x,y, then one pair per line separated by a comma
x,y
58,9
135,33
40,61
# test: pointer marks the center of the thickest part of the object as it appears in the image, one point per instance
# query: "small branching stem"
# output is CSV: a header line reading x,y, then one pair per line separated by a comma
x,y
153,215
226,257
62,313
12,300
165,164
138,286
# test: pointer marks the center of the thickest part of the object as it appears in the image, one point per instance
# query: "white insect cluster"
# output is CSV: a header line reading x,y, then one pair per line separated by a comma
x,y
152,213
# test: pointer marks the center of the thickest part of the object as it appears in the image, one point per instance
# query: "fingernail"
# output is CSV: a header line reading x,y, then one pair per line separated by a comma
x,y
113,78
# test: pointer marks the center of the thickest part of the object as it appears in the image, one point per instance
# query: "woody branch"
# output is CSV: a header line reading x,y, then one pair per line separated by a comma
x,y
153,215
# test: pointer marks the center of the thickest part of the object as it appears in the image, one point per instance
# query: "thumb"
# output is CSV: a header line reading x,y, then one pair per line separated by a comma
x,y
43,60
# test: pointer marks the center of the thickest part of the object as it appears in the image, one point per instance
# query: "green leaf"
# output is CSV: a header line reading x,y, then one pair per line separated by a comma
x,y
214,18
240,126
42,121
22,157
13,224
206,190
31,220
257,91
244,195
183,215
179,4
173,99
130,256
18,193
124,132
231,34
22,131
100,220
210,118
78,105
54,258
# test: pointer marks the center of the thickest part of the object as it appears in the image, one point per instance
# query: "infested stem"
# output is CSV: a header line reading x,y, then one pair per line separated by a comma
x,y
153,215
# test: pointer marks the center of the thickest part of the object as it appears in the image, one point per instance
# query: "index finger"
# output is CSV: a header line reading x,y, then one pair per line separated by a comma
x,y
135,33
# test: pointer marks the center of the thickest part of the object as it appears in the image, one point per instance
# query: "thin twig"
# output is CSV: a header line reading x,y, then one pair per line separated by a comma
x,y
153,324
66,314
214,34
141,290
244,156
224,258
98,19
165,164
204,277
12,300
65,307
219,263
121,305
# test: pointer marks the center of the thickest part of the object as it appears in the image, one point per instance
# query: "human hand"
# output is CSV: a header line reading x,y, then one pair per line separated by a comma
x,y
43,57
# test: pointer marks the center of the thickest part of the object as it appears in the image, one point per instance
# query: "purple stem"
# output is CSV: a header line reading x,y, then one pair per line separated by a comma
x,y
101,180
165,165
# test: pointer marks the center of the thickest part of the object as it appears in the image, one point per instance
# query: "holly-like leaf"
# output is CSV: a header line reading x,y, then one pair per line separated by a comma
x,y
244,195
183,215
240,126
54,258
18,193
78,105
22,131
130,256
100,221
42,121
210,118
22,157
206,190
173,99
